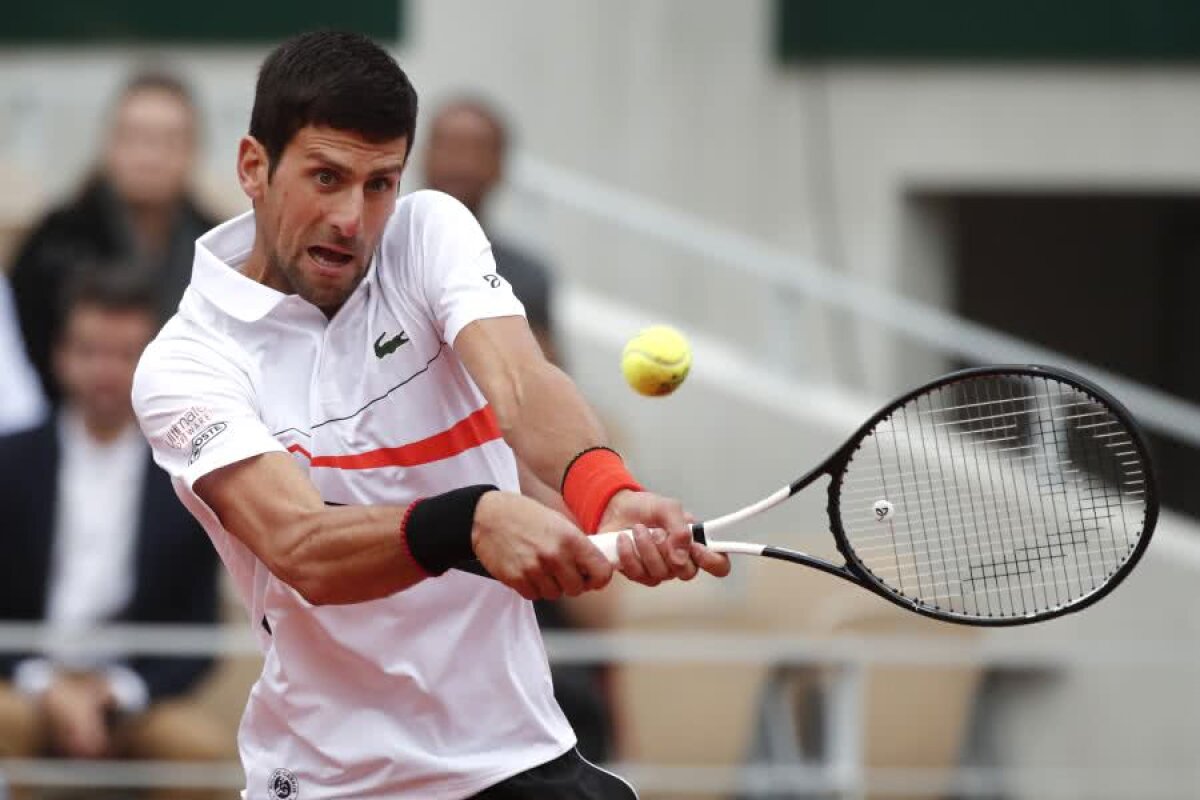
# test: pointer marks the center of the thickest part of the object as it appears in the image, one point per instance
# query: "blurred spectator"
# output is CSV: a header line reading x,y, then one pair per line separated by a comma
x,y
135,209
94,533
468,142
21,401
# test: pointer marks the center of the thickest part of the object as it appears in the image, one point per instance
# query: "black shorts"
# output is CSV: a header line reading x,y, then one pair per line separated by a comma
x,y
568,777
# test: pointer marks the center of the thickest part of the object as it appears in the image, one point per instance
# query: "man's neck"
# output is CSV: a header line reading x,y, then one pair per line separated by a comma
x,y
257,267
152,225
105,431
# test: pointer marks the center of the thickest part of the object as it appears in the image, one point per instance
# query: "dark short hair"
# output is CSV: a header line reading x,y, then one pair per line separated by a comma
x,y
114,287
483,108
334,78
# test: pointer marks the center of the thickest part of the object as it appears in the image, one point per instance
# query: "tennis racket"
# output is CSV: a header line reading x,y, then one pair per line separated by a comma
x,y
999,495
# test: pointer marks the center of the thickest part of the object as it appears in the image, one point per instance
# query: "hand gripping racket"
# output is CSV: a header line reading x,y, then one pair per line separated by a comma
x,y
993,496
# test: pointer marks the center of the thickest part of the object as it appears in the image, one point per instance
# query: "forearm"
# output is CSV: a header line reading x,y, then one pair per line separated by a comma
x,y
547,422
535,488
348,554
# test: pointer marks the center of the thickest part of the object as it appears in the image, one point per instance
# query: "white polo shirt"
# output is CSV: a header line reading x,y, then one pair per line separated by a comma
x,y
437,691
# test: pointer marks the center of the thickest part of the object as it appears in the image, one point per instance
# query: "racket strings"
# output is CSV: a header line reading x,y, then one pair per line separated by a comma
x,y
943,511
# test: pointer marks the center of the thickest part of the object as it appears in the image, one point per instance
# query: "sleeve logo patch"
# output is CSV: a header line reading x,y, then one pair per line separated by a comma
x,y
204,437
184,428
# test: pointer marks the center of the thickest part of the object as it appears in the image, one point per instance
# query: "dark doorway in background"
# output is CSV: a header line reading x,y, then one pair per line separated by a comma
x,y
1107,278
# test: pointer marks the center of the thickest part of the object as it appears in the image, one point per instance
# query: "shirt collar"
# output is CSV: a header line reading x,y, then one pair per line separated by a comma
x,y
216,272
217,275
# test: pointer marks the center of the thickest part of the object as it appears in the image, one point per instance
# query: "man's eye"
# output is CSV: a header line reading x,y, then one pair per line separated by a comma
x,y
326,178
380,185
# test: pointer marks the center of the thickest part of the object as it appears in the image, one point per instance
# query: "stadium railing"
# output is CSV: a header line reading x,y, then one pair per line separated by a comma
x,y
841,773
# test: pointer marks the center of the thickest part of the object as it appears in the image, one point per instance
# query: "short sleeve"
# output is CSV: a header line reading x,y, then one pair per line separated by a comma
x,y
197,410
456,267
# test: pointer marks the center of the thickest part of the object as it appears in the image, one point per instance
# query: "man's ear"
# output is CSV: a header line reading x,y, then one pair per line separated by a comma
x,y
253,168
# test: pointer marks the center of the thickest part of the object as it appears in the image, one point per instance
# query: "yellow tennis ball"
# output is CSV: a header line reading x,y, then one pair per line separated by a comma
x,y
656,361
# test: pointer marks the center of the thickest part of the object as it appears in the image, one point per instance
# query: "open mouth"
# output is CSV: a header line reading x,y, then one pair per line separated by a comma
x,y
329,258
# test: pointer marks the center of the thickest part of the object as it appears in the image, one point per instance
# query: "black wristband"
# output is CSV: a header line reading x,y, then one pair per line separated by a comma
x,y
437,530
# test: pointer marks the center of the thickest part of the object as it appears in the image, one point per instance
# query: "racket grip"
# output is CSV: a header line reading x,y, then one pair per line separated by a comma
x,y
606,543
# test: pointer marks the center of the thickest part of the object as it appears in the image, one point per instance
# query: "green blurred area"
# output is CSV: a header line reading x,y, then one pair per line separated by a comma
x,y
87,22
988,30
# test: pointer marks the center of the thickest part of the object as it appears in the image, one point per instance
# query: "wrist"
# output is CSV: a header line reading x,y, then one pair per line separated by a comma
x,y
436,532
591,481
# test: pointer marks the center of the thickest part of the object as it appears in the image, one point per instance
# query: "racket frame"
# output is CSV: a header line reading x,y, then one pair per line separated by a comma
x,y
855,571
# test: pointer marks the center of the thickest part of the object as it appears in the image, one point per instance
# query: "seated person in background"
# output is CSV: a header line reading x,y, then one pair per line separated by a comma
x,y
468,142
93,533
21,403
135,209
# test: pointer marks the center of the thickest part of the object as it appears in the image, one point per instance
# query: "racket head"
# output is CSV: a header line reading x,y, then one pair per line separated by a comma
x,y
999,495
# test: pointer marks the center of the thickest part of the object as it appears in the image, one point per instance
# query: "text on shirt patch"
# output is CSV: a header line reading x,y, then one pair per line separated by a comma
x,y
181,431
204,437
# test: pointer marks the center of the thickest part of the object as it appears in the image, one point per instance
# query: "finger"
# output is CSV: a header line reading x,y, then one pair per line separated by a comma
x,y
648,544
669,514
566,571
544,585
596,570
630,565
714,563
523,588
687,570
674,521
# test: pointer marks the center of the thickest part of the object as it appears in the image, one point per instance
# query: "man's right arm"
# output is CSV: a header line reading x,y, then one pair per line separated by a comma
x,y
199,411
352,554
342,554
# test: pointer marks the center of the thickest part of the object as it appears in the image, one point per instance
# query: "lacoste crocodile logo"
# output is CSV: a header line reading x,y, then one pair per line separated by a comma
x,y
383,348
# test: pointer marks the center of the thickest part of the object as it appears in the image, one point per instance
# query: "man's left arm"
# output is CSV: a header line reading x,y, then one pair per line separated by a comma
x,y
548,424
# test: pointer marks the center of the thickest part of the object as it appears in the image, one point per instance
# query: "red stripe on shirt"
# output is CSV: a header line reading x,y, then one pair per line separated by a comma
x,y
295,448
477,429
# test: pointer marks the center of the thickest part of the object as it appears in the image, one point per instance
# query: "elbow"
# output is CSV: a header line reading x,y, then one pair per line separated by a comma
x,y
314,590
292,563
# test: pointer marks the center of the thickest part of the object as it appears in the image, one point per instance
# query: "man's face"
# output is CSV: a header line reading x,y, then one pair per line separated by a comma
x,y
96,357
322,213
151,148
463,159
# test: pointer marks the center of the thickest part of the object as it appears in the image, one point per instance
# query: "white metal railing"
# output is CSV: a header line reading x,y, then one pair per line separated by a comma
x,y
841,773
795,276
674,646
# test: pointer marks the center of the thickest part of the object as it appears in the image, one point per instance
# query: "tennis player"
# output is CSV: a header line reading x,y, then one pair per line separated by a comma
x,y
347,400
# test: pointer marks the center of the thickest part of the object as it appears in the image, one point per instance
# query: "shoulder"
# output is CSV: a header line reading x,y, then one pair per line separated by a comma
x,y
186,357
22,447
81,216
428,211
64,223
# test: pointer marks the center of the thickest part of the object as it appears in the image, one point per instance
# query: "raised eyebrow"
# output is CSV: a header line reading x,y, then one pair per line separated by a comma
x,y
326,161
391,169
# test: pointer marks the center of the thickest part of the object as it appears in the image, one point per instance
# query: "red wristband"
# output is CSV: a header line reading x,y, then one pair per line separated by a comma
x,y
590,481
